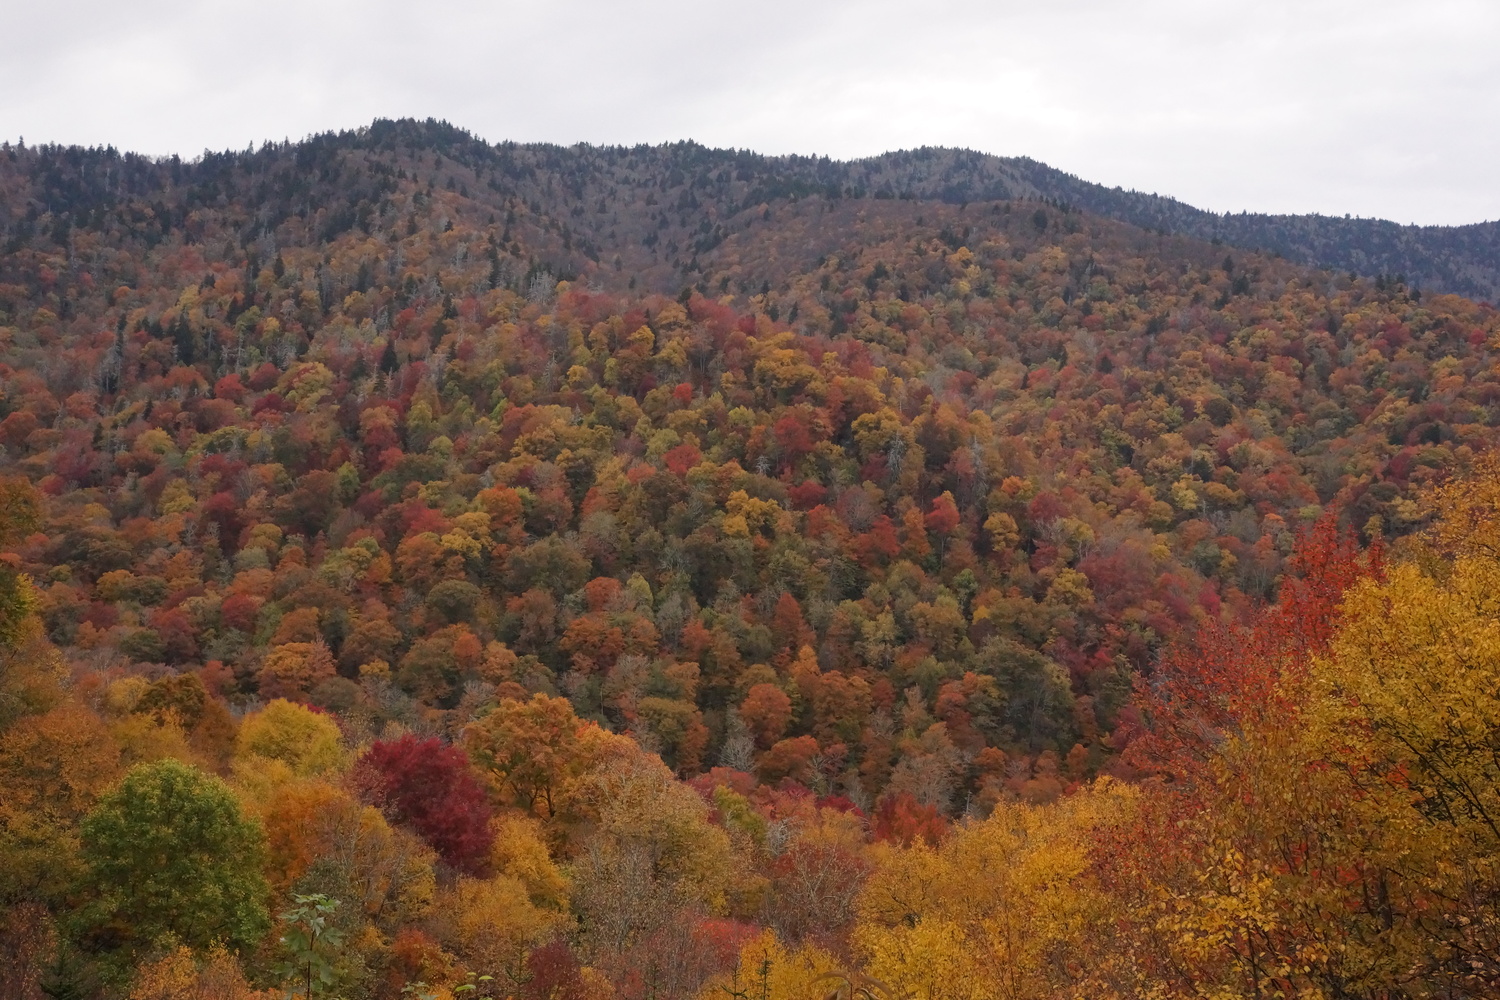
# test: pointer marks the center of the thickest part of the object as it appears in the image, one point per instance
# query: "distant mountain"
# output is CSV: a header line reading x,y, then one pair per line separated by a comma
x,y
1464,260
663,211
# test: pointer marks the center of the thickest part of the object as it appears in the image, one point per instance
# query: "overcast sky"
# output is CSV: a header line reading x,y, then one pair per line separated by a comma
x,y
1388,108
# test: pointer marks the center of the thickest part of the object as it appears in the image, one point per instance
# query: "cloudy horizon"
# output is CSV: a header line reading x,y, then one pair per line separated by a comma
x,y
1375,109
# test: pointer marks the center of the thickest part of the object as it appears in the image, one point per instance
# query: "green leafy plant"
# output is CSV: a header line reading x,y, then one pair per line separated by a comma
x,y
475,984
310,945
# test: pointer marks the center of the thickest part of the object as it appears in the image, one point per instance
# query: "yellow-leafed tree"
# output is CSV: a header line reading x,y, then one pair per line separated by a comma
x,y
999,910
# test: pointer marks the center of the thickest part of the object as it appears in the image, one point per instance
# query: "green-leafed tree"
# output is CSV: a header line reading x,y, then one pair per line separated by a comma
x,y
170,859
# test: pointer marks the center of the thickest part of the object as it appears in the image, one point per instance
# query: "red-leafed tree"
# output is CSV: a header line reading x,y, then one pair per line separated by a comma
x,y
428,786
901,819
1211,683
553,973
943,517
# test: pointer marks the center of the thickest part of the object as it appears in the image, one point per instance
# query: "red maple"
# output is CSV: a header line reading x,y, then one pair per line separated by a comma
x,y
428,786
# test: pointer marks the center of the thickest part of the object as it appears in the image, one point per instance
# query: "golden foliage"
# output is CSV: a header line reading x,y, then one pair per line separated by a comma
x,y
177,975
769,970
303,740
998,910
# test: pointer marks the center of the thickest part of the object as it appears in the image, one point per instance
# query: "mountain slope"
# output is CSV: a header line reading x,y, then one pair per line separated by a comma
x,y
663,210
890,511
322,420
1460,259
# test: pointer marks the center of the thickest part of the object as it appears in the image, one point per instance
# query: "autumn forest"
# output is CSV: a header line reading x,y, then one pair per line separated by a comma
x,y
434,569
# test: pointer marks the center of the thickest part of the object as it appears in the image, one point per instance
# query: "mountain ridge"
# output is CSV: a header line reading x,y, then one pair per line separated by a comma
x,y
1463,260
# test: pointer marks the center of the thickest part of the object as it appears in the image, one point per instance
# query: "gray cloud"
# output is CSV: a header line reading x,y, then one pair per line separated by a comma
x,y
1370,107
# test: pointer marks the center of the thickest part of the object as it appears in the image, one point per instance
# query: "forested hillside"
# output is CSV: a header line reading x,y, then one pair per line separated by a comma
x,y
679,201
1460,259
604,570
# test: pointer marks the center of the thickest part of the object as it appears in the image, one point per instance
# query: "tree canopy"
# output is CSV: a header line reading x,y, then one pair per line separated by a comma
x,y
172,859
